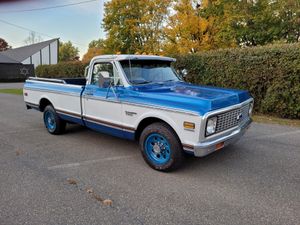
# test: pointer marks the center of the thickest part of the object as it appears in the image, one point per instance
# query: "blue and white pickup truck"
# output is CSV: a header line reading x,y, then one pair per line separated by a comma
x,y
141,97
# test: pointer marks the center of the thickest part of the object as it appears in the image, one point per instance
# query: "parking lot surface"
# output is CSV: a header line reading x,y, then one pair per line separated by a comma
x,y
65,179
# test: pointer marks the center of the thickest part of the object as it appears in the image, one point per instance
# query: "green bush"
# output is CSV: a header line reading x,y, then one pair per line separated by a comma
x,y
270,73
61,70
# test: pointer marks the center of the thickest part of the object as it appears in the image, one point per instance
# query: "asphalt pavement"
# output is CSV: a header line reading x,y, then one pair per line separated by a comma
x,y
16,85
84,177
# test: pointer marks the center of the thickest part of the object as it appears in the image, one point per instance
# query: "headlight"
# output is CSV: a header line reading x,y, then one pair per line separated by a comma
x,y
211,125
250,108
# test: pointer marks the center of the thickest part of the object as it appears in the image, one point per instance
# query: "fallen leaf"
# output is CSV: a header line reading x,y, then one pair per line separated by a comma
x,y
98,198
72,181
89,190
107,202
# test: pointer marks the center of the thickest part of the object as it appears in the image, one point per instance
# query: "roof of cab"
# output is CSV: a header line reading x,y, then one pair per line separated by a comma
x,y
133,57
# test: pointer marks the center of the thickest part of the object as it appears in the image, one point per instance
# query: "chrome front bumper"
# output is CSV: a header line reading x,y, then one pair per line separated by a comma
x,y
206,147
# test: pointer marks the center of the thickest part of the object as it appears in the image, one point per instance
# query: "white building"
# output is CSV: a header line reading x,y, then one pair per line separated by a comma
x,y
42,53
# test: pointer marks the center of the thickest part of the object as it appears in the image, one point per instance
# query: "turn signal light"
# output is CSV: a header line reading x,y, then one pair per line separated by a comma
x,y
188,125
219,145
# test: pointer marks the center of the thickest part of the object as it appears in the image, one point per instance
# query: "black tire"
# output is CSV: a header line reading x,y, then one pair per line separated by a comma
x,y
54,125
167,139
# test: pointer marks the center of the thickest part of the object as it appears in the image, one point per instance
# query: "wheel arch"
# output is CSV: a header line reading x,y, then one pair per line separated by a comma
x,y
150,120
43,103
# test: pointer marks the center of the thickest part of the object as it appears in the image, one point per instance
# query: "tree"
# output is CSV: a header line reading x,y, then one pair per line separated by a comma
x,y
184,32
3,45
100,43
32,38
67,52
92,52
261,22
197,26
96,47
217,14
289,13
135,26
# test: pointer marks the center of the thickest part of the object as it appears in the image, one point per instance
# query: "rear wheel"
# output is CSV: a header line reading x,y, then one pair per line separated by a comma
x,y
53,123
160,147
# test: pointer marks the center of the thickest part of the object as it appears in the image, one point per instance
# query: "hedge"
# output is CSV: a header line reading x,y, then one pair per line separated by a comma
x,y
61,70
270,73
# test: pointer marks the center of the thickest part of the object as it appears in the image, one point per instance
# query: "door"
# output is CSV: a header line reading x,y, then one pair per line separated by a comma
x,y
102,110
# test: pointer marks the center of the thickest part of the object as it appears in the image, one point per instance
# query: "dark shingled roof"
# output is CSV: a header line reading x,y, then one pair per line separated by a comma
x,y
5,59
22,53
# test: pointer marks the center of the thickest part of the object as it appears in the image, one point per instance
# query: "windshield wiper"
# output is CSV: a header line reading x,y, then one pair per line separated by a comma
x,y
169,80
143,82
161,82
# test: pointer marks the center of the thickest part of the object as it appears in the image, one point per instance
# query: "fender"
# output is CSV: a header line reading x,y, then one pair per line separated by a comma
x,y
160,116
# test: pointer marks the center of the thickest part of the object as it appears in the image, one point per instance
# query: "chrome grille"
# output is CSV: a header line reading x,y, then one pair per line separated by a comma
x,y
232,118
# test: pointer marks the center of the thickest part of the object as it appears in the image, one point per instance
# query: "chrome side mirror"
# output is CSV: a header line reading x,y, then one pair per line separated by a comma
x,y
182,73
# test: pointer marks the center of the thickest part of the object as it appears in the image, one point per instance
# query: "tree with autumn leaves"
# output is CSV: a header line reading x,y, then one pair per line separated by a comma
x,y
96,47
189,26
135,26
196,27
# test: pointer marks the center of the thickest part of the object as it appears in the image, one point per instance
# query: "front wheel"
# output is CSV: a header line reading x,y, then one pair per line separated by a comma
x,y
53,123
161,147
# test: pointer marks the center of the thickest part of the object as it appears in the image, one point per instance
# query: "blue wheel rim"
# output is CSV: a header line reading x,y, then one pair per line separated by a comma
x,y
157,148
49,120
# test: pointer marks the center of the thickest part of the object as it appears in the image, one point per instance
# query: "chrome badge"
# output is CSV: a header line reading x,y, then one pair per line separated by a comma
x,y
239,116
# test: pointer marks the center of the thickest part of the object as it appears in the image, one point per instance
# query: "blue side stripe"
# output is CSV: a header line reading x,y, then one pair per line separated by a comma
x,y
100,128
70,118
109,130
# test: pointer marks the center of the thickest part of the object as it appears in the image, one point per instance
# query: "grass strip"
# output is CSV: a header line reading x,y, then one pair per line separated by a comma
x,y
259,118
12,91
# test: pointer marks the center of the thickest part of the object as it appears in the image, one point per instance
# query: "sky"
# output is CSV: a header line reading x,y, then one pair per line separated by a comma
x,y
79,24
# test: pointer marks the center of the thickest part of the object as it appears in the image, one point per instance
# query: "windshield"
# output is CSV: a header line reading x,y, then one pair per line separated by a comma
x,y
148,71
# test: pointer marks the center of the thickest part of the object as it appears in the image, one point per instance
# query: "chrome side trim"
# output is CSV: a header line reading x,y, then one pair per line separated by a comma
x,y
107,124
52,91
47,79
53,83
67,113
141,105
98,98
97,121
162,108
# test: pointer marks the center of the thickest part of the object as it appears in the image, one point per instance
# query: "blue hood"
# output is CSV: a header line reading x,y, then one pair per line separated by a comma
x,y
185,96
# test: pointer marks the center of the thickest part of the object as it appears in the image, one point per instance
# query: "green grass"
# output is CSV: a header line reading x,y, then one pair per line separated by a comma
x,y
259,118
12,91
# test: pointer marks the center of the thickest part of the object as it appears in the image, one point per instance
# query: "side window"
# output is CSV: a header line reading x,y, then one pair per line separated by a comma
x,y
107,70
